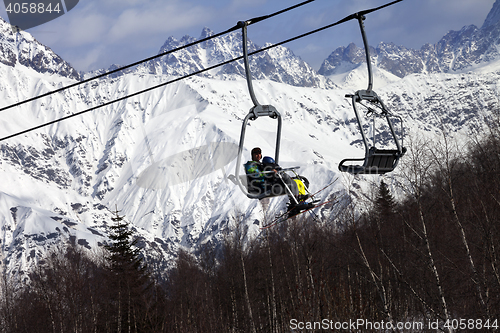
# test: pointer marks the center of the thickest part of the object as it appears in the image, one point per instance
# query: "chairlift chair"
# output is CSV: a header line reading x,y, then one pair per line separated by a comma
x,y
255,112
376,161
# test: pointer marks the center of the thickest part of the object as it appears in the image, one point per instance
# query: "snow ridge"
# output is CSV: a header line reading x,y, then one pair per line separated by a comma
x,y
22,49
457,51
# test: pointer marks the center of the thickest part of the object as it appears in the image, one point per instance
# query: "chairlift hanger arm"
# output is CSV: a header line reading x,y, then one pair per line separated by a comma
x,y
248,74
258,110
360,16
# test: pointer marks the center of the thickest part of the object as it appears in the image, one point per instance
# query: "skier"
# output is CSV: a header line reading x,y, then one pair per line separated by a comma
x,y
253,169
261,180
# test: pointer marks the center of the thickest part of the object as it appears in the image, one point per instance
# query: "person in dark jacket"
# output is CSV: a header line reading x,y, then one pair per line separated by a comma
x,y
261,180
253,169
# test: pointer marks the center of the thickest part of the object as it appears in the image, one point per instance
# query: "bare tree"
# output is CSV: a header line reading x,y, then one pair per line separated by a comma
x,y
418,169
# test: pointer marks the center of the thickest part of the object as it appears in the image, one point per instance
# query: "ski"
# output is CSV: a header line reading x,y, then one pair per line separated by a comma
x,y
284,216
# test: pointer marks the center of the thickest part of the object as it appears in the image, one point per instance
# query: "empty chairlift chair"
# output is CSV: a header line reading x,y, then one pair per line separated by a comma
x,y
376,161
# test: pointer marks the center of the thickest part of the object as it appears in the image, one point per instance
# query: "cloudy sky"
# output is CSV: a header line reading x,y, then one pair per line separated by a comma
x,y
98,33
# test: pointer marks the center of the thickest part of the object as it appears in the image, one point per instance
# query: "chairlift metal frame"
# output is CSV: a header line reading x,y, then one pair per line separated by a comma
x,y
255,112
376,161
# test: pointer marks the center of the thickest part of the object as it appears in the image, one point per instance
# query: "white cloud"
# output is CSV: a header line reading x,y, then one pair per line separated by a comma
x,y
136,22
88,58
86,30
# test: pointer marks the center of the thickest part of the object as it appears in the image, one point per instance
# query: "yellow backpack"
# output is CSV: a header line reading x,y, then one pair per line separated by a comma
x,y
300,186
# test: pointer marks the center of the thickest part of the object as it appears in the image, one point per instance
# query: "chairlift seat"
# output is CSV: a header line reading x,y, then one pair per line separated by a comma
x,y
271,189
377,161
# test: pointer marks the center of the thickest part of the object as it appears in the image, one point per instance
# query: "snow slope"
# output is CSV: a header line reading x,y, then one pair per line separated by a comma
x,y
162,159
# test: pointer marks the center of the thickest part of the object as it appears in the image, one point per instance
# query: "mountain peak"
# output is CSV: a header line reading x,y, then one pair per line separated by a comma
x,y
278,64
493,16
206,32
456,51
22,48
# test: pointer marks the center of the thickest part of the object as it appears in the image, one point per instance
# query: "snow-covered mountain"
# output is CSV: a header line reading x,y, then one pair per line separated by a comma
x,y
163,158
456,51
278,64
21,48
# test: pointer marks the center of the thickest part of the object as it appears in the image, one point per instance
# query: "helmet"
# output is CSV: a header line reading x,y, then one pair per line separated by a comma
x,y
268,160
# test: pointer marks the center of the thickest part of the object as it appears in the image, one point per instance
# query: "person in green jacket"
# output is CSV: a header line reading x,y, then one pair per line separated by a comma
x,y
259,182
256,179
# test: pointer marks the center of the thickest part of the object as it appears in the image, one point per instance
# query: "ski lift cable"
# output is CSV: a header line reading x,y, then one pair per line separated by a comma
x,y
236,27
348,18
119,99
